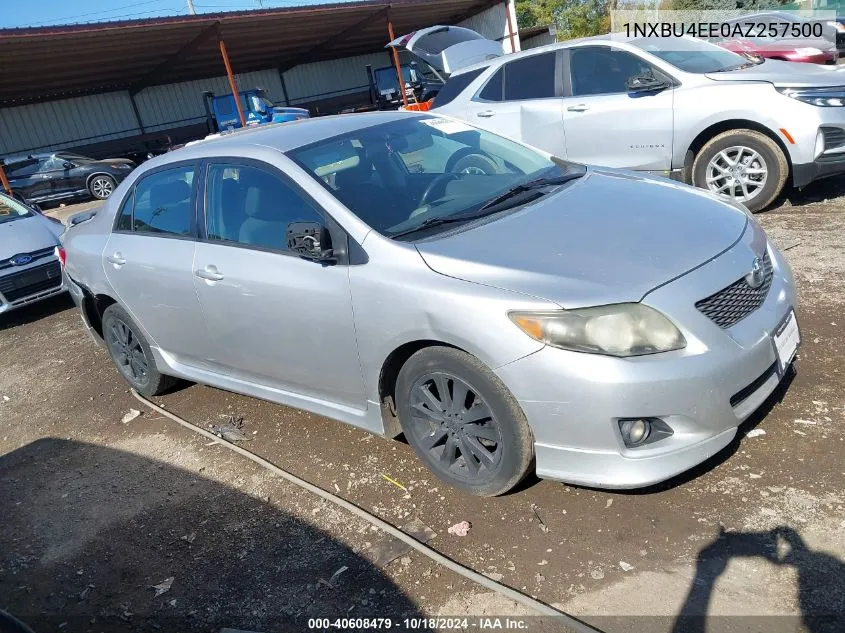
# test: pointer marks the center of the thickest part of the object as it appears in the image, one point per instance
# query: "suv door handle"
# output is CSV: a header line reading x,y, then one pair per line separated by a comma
x,y
581,107
209,273
116,259
486,113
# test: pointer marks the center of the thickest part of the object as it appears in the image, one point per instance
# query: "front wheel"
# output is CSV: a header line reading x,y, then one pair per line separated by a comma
x,y
463,422
742,165
131,353
101,187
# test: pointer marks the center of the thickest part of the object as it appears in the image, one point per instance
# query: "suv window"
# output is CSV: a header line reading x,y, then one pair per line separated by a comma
x,y
53,163
160,203
531,77
22,169
494,89
600,70
455,85
251,206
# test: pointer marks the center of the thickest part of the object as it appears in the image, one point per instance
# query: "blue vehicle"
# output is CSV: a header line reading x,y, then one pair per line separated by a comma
x,y
257,108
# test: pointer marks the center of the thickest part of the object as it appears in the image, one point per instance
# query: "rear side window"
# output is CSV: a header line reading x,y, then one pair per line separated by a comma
x,y
455,85
160,203
494,89
530,77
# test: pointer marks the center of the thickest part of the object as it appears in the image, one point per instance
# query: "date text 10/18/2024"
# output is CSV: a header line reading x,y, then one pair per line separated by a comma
x,y
417,624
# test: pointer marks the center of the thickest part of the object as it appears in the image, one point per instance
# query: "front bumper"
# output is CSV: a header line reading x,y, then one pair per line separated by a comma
x,y
823,167
27,295
574,401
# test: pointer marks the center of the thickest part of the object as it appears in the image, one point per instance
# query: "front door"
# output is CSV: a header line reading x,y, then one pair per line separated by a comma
x,y
276,320
522,101
148,262
605,124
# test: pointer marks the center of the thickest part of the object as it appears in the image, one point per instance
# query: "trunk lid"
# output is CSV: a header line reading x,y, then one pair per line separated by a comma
x,y
448,48
609,237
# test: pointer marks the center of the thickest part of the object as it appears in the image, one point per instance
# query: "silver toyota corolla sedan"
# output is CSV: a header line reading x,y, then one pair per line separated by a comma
x,y
29,265
602,327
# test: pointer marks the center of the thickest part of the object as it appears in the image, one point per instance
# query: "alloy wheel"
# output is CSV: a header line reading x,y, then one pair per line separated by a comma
x,y
127,352
738,172
102,187
454,424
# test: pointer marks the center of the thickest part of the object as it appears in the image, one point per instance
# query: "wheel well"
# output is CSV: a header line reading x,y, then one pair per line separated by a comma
x,y
387,381
94,306
734,124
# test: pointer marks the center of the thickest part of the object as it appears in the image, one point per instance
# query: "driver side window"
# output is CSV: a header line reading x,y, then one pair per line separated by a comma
x,y
599,70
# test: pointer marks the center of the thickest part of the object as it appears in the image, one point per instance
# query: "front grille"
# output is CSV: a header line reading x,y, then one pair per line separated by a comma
x,y
833,137
30,281
731,305
36,255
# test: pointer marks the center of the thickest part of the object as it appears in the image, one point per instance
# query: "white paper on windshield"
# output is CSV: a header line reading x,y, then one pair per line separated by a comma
x,y
446,126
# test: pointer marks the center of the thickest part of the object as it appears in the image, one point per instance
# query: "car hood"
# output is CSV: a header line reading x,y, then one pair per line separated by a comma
x,y
609,237
786,74
26,235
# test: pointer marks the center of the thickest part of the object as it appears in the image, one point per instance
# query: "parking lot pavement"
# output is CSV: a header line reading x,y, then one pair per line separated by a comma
x,y
101,510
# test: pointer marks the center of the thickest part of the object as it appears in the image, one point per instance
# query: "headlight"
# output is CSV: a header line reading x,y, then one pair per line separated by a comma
x,y
822,97
804,52
622,329
837,26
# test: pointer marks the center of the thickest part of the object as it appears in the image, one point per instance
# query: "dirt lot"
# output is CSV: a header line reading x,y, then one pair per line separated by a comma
x,y
96,511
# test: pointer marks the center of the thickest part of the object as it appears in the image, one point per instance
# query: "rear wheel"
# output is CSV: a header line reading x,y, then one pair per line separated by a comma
x,y
101,186
463,422
131,353
742,165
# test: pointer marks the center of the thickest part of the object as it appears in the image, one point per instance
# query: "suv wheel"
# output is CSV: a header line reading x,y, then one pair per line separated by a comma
x,y
742,165
101,187
463,422
131,353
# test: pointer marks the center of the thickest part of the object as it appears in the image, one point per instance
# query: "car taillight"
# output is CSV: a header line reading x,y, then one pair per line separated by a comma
x,y
60,253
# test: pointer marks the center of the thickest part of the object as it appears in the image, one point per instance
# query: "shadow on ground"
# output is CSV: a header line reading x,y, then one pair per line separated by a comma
x,y
821,580
87,531
35,311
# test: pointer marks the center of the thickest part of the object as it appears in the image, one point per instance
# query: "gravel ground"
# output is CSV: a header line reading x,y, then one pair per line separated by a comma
x,y
98,511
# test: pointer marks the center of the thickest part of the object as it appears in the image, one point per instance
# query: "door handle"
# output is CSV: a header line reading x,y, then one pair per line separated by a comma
x,y
486,114
581,107
116,259
209,273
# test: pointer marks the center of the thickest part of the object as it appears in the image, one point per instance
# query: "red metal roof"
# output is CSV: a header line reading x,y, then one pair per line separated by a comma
x,y
38,64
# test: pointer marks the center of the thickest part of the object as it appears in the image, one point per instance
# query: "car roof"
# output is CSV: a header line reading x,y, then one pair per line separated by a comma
x,y
287,136
498,61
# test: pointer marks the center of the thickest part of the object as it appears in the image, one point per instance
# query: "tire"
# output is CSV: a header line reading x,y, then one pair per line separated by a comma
x,y
476,164
101,186
492,429
121,334
761,161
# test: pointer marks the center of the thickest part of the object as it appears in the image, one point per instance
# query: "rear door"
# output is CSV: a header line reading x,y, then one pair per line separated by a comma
x,y
522,100
275,319
148,261
607,125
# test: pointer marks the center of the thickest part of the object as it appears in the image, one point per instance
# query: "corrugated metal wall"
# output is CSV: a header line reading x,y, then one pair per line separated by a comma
x,y
333,77
493,24
66,123
175,105
94,119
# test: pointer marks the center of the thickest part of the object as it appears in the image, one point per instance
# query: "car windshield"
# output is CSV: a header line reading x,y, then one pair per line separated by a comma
x,y
11,210
399,175
691,55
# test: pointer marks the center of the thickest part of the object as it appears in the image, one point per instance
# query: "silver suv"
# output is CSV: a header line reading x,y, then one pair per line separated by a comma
x,y
681,107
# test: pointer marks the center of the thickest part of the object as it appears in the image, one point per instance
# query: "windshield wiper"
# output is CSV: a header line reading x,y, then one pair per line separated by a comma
x,y
510,198
747,64
499,201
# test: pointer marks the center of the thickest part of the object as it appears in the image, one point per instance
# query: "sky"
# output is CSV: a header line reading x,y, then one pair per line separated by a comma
x,y
22,13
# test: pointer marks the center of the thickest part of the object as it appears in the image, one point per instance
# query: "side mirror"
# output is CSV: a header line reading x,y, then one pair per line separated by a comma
x,y
643,84
68,165
311,240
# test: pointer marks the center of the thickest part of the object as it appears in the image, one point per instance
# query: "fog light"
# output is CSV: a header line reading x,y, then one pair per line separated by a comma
x,y
634,432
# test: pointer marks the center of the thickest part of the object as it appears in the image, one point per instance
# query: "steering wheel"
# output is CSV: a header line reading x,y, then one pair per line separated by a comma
x,y
438,183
